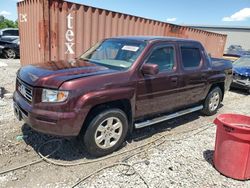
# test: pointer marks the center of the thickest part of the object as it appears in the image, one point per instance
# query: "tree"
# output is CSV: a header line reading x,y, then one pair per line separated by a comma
x,y
1,18
6,23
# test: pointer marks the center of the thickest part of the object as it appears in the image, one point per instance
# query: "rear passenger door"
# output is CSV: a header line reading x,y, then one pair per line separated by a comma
x,y
194,73
157,93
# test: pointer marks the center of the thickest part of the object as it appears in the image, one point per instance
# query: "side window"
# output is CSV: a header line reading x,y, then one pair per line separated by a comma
x,y
191,57
6,33
163,57
10,33
14,32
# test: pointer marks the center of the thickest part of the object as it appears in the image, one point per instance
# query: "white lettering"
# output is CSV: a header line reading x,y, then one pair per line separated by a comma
x,y
69,35
69,19
23,17
70,48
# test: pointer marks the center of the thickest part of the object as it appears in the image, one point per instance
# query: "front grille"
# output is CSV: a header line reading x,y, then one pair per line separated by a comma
x,y
25,90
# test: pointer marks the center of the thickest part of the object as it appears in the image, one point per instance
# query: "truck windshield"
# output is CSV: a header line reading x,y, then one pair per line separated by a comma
x,y
115,53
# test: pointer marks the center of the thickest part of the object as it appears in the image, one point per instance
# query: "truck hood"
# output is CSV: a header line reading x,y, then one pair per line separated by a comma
x,y
53,74
242,70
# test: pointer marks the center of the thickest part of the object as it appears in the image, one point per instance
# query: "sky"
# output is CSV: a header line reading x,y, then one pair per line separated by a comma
x,y
183,12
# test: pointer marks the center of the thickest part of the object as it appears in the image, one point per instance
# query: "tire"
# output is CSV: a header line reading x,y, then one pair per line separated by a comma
x,y
9,54
212,101
102,137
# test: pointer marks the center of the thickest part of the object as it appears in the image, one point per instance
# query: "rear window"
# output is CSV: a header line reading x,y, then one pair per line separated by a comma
x,y
191,57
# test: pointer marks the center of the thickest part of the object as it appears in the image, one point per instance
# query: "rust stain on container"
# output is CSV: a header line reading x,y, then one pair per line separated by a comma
x,y
57,30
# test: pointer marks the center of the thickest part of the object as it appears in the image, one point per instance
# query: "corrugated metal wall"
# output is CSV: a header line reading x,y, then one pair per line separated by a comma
x,y
34,31
55,30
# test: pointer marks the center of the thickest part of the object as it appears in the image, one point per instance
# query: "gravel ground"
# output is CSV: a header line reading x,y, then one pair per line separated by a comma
x,y
183,161
8,73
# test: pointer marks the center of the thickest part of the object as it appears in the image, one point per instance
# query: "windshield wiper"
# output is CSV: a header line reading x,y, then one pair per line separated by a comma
x,y
94,62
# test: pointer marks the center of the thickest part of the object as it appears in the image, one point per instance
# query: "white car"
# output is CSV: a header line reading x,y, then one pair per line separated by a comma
x,y
9,34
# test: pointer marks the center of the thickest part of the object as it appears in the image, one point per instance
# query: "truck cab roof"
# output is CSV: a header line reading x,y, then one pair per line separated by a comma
x,y
155,39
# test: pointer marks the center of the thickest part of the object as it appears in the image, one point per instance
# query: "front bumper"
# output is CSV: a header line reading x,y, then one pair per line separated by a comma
x,y
45,121
239,83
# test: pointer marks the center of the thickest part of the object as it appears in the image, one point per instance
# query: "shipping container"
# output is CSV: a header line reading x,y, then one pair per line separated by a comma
x,y
56,30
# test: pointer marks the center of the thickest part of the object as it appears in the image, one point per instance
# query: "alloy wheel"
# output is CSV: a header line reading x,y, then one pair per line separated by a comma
x,y
10,54
214,101
108,133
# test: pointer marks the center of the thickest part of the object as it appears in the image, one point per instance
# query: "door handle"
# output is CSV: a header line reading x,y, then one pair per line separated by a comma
x,y
174,79
203,76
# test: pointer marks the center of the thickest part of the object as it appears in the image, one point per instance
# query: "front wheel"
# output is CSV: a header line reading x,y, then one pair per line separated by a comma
x,y
212,101
105,133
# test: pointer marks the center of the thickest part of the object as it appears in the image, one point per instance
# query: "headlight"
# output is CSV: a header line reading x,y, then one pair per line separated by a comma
x,y
1,47
54,95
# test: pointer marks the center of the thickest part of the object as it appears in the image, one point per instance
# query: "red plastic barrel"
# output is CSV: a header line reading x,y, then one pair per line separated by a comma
x,y
232,146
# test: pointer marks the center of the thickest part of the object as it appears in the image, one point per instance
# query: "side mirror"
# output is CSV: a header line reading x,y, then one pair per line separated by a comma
x,y
150,69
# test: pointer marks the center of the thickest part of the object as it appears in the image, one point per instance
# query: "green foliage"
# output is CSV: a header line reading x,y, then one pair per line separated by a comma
x,y
6,23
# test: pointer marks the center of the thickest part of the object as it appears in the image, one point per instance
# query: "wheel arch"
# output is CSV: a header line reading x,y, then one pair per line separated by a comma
x,y
221,85
122,104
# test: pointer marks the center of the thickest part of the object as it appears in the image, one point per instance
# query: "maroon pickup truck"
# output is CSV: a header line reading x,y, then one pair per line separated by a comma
x,y
118,85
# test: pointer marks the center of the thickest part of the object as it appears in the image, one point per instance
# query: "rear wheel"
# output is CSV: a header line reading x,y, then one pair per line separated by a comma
x,y
212,101
105,133
9,54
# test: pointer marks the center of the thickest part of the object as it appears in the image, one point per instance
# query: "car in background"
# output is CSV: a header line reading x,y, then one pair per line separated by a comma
x,y
9,34
10,50
241,73
237,50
